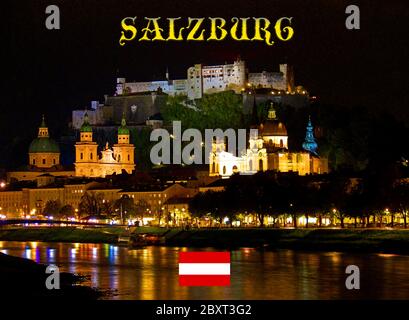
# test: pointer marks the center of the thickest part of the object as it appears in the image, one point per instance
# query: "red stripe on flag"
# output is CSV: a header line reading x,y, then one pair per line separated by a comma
x,y
204,257
204,280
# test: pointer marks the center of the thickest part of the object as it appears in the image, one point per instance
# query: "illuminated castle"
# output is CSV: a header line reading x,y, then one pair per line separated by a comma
x,y
207,79
268,150
115,160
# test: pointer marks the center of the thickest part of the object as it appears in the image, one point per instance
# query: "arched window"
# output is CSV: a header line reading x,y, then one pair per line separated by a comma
x,y
224,169
260,165
34,161
213,167
235,169
119,157
53,161
281,143
251,165
81,156
43,161
129,157
90,155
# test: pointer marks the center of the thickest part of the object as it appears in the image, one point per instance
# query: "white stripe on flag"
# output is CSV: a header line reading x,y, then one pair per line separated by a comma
x,y
204,268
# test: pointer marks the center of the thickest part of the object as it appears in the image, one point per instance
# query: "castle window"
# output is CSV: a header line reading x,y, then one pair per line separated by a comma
x,y
281,143
53,161
81,156
90,156
129,157
34,161
43,161
224,169
119,157
213,167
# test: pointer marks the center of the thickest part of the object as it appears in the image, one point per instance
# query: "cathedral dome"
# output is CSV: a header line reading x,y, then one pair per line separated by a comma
x,y
272,126
44,145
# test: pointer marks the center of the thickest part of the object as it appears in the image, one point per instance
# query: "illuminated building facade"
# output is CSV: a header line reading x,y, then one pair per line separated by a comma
x,y
115,160
268,150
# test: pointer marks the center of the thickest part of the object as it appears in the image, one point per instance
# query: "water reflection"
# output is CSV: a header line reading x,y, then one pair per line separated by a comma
x,y
152,273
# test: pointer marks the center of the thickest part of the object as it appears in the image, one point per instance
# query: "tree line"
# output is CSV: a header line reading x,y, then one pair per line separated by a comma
x,y
274,195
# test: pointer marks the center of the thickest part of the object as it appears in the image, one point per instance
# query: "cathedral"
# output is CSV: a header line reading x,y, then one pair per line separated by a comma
x,y
43,159
268,150
117,159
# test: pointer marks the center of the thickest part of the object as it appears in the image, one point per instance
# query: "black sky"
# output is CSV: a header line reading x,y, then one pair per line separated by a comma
x,y
54,72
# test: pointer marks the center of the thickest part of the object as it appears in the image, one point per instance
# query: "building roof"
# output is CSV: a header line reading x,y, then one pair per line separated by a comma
x,y
44,145
86,127
123,129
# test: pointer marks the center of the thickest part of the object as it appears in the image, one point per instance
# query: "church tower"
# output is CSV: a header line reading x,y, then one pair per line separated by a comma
x,y
86,152
124,150
310,144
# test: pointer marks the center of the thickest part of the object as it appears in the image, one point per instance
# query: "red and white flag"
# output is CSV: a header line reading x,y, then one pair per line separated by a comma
x,y
204,268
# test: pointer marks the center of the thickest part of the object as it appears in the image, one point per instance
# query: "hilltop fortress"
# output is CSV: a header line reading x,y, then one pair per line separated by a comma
x,y
141,101
206,79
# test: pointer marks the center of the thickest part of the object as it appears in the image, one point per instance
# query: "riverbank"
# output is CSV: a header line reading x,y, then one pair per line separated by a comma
x,y
61,234
360,240
21,277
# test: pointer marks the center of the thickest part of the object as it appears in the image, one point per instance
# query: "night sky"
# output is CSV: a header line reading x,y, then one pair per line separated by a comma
x,y
57,71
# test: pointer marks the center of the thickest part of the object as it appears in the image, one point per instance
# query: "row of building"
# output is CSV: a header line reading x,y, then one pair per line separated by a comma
x,y
30,201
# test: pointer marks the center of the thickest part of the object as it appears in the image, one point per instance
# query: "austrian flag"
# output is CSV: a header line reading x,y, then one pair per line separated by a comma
x,y
204,268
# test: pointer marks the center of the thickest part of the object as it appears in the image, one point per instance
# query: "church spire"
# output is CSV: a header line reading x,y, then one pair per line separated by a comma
x,y
309,143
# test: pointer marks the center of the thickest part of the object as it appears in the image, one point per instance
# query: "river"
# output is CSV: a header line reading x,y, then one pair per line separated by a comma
x,y
152,272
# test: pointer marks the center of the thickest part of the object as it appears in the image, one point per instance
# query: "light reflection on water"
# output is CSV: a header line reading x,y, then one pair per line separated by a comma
x,y
152,273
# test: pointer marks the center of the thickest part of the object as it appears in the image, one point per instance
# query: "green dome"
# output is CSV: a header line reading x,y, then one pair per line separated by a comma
x,y
86,127
123,129
44,145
